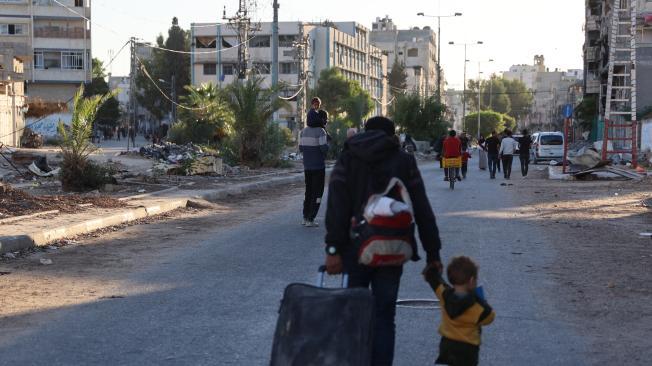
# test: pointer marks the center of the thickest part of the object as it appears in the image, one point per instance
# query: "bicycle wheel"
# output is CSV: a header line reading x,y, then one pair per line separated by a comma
x,y
451,177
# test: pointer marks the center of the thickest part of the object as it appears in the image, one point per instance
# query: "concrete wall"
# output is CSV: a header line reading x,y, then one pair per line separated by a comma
x,y
52,92
646,134
11,117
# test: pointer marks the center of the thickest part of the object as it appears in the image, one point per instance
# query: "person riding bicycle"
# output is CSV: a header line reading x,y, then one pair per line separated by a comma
x,y
452,148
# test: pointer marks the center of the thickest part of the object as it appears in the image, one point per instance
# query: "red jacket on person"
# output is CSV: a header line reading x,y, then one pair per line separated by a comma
x,y
452,147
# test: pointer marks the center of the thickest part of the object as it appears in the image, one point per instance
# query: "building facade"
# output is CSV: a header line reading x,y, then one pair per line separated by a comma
x,y
415,48
342,45
12,99
551,89
54,42
596,51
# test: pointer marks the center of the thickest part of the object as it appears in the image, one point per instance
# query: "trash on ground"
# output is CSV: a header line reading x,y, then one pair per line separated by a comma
x,y
46,262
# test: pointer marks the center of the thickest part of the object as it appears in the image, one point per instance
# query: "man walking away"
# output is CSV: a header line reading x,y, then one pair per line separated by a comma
x,y
492,145
313,145
524,144
508,147
367,164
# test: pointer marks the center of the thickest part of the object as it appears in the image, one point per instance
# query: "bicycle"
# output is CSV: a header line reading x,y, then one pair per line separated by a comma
x,y
452,165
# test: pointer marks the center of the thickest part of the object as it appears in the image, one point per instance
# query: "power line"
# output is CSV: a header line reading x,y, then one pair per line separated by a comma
x,y
85,18
116,55
146,73
195,52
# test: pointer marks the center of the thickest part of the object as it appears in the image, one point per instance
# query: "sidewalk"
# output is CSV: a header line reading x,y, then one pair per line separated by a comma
x,y
44,230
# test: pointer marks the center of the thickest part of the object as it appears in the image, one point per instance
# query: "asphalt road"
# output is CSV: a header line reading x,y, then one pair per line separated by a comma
x,y
216,302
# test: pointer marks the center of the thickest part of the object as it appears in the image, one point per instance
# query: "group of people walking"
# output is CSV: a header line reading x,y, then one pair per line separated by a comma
x,y
501,148
370,159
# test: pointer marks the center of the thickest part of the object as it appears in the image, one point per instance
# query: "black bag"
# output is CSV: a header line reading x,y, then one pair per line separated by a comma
x,y
320,326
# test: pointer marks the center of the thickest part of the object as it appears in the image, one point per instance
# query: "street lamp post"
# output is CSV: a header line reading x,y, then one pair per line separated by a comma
x,y
464,92
480,94
439,46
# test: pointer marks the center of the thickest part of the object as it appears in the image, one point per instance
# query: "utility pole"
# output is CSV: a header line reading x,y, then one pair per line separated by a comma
x,y
242,24
301,47
174,98
132,91
275,45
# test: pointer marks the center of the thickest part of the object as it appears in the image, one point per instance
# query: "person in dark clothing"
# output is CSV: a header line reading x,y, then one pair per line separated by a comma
x,y
492,144
524,144
314,146
464,139
367,164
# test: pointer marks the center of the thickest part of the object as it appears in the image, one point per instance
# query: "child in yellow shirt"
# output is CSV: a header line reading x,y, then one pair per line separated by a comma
x,y
464,311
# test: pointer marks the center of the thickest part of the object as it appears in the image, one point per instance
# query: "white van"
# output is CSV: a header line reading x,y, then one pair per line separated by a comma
x,y
547,146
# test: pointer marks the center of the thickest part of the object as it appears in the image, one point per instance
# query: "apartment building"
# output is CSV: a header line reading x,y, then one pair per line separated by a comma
x,y
415,48
596,50
342,45
552,89
54,42
12,99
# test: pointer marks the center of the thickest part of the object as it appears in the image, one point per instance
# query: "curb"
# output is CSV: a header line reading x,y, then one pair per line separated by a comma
x,y
45,237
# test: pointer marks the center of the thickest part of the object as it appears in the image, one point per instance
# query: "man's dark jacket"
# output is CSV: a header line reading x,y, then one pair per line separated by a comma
x,y
493,145
367,163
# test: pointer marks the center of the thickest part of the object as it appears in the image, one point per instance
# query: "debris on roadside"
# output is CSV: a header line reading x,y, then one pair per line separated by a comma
x,y
188,159
45,261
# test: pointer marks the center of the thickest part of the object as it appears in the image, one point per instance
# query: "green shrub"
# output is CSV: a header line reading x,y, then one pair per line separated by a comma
x,y
274,142
85,176
337,131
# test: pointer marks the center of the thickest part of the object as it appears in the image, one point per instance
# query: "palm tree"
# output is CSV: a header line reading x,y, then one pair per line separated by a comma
x,y
75,145
209,117
253,108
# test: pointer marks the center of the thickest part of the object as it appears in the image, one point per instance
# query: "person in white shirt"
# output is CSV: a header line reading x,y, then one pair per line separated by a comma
x,y
508,147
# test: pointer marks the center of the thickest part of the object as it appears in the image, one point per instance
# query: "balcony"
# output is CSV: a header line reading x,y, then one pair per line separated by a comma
x,y
59,32
49,9
592,23
591,54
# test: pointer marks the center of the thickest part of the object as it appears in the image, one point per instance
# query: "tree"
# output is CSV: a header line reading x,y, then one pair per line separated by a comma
x,y
489,121
520,97
358,105
397,78
333,89
162,66
494,95
77,172
109,113
420,117
209,121
253,108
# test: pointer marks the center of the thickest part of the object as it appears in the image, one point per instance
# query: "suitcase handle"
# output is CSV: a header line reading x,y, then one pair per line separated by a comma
x,y
322,272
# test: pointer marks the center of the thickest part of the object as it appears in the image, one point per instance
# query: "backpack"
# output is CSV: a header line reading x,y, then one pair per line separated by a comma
x,y
383,232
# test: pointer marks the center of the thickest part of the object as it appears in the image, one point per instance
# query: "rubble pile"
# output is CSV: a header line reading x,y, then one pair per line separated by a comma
x,y
188,159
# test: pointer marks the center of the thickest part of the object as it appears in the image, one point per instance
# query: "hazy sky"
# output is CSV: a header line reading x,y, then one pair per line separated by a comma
x,y
513,31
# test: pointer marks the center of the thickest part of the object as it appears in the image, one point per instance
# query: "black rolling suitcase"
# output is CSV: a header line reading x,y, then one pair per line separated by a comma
x,y
320,326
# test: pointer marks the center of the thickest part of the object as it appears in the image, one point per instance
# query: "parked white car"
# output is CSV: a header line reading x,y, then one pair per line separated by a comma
x,y
546,146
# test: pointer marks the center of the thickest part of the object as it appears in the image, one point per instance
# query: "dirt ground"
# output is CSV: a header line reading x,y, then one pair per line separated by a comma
x,y
16,202
91,267
603,263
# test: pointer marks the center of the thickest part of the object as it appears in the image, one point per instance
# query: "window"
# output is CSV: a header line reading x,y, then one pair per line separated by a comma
x,y
286,40
12,29
38,60
72,60
287,68
259,42
227,69
225,43
413,52
51,60
205,42
262,68
79,3
552,140
210,69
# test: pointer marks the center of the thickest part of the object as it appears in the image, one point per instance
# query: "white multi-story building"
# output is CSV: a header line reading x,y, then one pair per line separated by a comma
x,y
415,48
53,40
341,45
